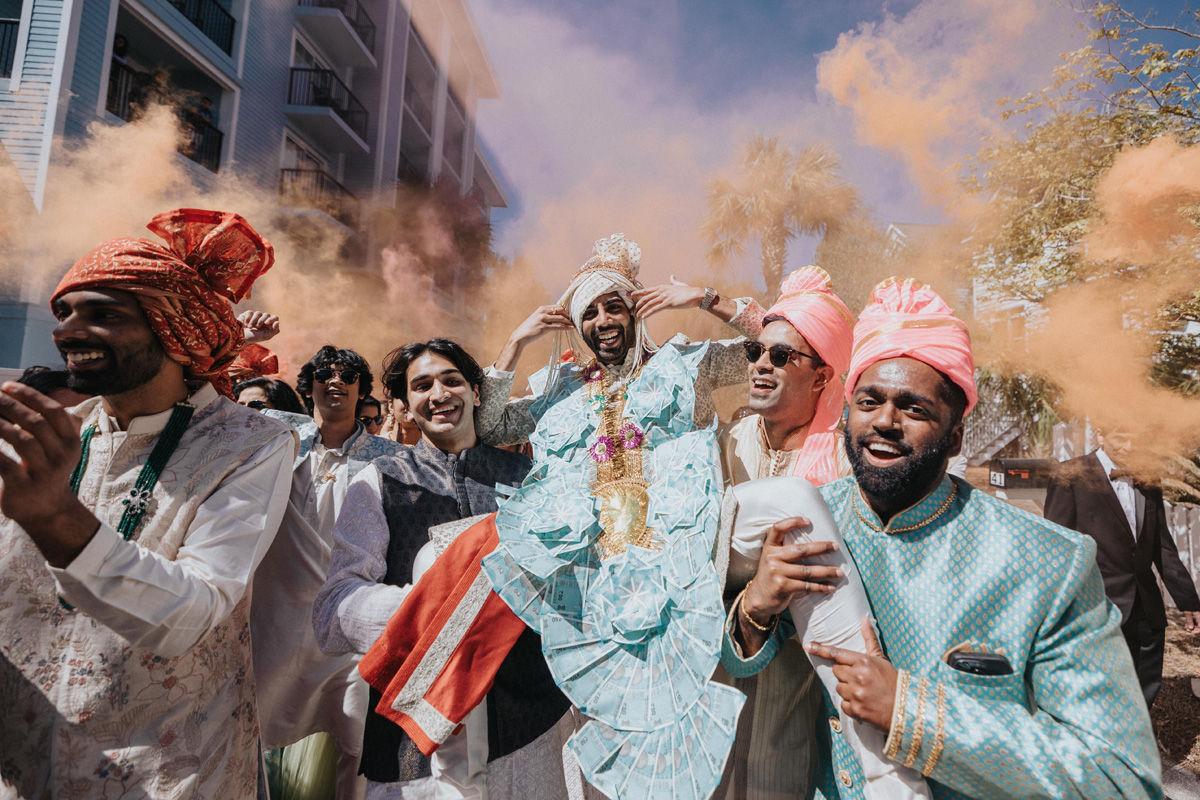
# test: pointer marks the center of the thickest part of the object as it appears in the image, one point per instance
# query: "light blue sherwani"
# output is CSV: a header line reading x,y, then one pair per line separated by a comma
x,y
962,567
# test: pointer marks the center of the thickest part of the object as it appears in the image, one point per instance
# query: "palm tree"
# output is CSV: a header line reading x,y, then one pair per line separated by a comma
x,y
781,196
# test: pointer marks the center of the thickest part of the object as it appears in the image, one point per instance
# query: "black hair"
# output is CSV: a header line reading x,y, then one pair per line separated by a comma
x,y
44,379
281,396
395,366
954,397
369,401
330,356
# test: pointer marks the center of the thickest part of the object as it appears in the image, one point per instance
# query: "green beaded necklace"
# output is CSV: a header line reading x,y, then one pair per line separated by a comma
x,y
139,496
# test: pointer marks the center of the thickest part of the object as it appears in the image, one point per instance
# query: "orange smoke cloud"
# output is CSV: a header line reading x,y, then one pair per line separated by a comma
x,y
114,181
921,88
1096,340
1141,198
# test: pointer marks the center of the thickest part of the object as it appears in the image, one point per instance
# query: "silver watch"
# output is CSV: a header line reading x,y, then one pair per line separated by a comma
x,y
710,296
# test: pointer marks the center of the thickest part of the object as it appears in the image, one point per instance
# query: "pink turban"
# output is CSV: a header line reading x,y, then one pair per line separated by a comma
x,y
807,301
908,319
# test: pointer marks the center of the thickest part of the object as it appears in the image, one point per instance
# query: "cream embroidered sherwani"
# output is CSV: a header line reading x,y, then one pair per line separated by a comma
x,y
145,689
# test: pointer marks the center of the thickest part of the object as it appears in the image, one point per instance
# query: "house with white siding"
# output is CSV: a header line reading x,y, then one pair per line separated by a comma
x,y
332,103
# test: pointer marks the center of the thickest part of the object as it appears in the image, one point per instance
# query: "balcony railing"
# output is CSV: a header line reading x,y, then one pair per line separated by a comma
x,y
203,142
322,87
421,110
130,91
213,21
355,14
314,188
8,45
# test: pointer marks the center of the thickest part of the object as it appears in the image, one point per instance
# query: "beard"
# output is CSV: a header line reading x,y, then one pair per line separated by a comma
x,y
593,342
904,484
128,370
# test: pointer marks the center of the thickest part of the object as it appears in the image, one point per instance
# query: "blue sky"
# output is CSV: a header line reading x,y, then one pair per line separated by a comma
x,y
718,50
615,115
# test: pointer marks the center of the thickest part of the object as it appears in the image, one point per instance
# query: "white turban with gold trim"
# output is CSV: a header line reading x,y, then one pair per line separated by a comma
x,y
613,267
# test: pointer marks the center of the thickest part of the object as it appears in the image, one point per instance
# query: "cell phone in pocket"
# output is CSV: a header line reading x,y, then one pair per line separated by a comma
x,y
980,663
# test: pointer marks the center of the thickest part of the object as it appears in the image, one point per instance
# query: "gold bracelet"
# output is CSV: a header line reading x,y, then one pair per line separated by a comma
x,y
741,601
919,725
939,738
891,748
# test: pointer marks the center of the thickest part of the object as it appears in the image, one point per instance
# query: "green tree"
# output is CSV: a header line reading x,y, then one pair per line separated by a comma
x,y
780,195
858,254
1126,86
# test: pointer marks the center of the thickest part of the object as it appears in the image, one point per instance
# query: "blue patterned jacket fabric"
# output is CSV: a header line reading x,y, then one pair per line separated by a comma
x,y
963,568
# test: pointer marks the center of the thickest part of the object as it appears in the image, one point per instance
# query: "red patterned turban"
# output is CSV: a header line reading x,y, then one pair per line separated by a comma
x,y
807,301
907,319
186,288
255,361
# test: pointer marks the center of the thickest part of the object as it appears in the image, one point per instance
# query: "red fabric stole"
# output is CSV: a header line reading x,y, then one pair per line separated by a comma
x,y
439,600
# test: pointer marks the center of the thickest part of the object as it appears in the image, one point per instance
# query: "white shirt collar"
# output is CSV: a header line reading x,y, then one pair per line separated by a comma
x,y
154,423
1105,462
318,445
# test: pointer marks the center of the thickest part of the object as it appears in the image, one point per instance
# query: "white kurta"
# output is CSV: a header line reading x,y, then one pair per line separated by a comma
x,y
146,689
303,690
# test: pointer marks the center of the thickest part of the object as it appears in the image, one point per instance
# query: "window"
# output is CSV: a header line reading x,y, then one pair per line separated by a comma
x,y
420,83
455,130
297,156
10,28
415,150
303,57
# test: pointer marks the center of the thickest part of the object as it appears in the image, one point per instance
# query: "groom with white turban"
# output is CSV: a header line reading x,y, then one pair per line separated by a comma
x,y
608,549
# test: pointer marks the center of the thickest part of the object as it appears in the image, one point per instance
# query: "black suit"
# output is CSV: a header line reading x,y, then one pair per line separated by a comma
x,y
1081,497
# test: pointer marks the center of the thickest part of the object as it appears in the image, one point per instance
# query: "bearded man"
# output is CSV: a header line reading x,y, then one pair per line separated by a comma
x,y
128,551
1005,673
609,550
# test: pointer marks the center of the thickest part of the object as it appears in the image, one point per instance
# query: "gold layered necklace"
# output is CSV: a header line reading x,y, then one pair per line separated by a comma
x,y
617,453
776,462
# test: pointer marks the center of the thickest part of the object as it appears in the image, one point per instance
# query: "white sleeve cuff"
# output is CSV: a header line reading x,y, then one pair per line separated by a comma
x,y
88,562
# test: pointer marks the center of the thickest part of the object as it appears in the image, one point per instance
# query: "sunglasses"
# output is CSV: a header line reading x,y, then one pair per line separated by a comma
x,y
348,376
371,420
257,405
780,354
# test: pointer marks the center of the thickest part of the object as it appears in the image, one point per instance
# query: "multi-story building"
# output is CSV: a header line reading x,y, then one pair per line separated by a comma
x,y
335,102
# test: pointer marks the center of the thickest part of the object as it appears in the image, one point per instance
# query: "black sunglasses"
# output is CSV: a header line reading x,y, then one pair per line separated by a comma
x,y
779,354
371,420
348,376
257,405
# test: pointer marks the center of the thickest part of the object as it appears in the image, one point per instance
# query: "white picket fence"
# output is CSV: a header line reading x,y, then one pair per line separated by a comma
x,y
1184,523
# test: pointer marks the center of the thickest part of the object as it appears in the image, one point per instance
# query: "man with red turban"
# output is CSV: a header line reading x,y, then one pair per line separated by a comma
x,y
131,528
1005,672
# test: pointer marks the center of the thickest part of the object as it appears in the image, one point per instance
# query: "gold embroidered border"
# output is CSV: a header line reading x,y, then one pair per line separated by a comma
x,y
919,724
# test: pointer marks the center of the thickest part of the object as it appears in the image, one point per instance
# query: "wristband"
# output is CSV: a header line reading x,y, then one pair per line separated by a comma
x,y
741,603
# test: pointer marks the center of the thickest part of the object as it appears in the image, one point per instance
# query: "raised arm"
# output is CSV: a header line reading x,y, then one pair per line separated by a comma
x,y
498,420
725,362
678,295
543,320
